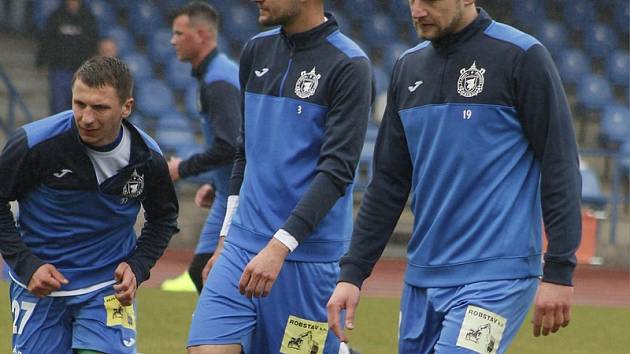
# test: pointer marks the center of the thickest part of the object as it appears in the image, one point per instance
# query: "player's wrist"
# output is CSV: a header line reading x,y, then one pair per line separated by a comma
x,y
286,239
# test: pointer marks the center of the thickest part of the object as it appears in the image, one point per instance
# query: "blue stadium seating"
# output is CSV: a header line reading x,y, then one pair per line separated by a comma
x,y
594,92
41,10
591,189
124,40
173,130
178,75
622,16
528,15
391,52
154,98
358,9
553,36
104,13
242,23
599,40
144,18
579,14
573,65
379,28
159,46
139,65
618,67
400,9
615,125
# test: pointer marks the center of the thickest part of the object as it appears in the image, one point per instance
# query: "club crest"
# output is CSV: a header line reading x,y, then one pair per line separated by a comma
x,y
134,186
470,81
307,84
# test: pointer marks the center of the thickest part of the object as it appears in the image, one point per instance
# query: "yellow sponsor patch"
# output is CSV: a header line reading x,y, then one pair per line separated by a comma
x,y
304,336
481,330
119,315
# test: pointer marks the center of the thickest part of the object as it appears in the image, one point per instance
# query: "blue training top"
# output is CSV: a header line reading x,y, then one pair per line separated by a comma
x,y
306,103
477,128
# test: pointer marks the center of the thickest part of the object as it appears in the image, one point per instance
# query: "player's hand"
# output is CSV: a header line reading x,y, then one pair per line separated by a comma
x,y
261,272
212,260
345,297
204,196
173,167
126,285
45,280
552,308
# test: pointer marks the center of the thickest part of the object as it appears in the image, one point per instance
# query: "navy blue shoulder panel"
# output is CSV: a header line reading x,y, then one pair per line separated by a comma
x,y
222,68
345,45
418,47
267,33
510,34
47,128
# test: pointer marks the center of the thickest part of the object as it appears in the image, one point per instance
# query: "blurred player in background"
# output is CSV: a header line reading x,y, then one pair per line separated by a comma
x,y
80,178
307,95
195,32
478,128
69,38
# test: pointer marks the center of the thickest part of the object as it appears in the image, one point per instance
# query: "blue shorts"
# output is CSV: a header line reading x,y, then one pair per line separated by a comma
x,y
210,233
57,325
480,317
292,319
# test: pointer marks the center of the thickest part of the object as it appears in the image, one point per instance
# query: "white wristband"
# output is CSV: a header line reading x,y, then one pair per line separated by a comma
x,y
232,204
286,239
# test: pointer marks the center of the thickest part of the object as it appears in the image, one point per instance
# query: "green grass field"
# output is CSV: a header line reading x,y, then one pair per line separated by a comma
x,y
163,321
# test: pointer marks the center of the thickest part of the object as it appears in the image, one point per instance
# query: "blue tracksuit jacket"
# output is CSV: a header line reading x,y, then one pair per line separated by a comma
x,y
477,128
306,105
67,219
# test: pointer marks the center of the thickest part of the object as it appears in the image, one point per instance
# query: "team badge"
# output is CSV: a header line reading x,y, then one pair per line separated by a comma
x,y
134,186
307,84
470,81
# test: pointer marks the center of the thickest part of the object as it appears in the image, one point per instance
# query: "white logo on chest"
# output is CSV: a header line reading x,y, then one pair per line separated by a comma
x,y
307,84
134,186
261,73
62,173
415,86
470,81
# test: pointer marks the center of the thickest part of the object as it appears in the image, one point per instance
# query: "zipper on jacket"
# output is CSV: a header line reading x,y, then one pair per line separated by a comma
x,y
286,73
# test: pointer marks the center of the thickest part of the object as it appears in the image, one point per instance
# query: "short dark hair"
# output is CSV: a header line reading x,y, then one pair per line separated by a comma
x,y
198,10
100,71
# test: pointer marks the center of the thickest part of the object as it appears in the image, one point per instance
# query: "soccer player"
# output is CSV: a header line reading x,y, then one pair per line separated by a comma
x,y
195,31
80,178
307,95
478,129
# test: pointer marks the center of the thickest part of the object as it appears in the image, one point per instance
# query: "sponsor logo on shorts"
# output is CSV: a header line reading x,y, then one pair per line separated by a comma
x,y
119,315
481,330
304,337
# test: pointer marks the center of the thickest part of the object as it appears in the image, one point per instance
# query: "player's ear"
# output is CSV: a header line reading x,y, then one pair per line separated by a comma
x,y
127,107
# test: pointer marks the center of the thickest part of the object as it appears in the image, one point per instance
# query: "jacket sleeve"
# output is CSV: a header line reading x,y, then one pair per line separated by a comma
x,y
238,171
160,214
223,101
15,177
544,112
346,123
384,199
